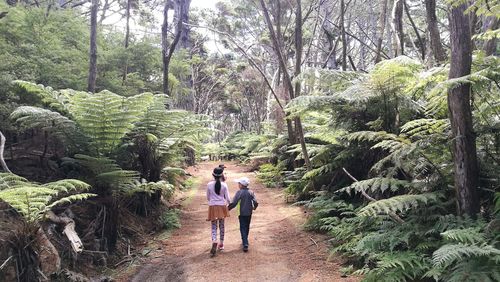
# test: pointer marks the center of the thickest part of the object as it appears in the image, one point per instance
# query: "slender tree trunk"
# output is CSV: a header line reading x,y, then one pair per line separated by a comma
x,y
182,11
381,29
342,32
434,37
490,46
397,27
415,29
127,38
298,61
168,50
282,64
464,146
164,45
93,47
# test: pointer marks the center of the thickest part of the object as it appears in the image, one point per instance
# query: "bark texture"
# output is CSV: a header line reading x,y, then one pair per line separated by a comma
x,y
490,46
167,49
181,9
464,143
397,27
127,39
93,47
434,37
342,33
298,61
381,29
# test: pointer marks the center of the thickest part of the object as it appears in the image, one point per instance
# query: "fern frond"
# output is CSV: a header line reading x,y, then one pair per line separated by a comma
x,y
45,94
450,253
466,236
71,199
371,136
106,117
381,184
422,128
399,203
32,200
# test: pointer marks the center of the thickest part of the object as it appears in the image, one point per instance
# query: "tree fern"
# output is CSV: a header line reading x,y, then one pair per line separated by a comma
x,y
391,76
470,235
45,94
376,184
450,253
397,266
423,128
106,117
399,203
56,124
33,200
104,172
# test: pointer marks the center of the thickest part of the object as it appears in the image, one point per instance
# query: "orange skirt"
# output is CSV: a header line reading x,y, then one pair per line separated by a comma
x,y
217,212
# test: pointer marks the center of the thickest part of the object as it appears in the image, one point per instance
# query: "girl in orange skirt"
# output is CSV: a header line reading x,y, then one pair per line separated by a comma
x,y
218,199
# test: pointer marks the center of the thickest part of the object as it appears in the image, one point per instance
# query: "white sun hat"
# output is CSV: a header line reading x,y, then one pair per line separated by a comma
x,y
243,181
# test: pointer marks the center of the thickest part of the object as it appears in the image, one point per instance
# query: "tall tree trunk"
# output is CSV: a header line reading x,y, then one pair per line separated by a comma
x,y
181,9
282,64
298,61
381,29
342,33
397,27
181,12
93,47
415,29
434,37
490,46
464,143
127,38
168,50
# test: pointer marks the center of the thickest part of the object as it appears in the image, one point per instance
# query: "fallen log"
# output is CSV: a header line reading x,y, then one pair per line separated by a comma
x,y
69,230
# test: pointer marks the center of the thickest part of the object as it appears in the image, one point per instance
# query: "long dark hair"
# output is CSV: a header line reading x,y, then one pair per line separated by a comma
x,y
218,172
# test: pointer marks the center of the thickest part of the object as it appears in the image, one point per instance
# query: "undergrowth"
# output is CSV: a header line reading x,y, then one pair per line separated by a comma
x,y
381,183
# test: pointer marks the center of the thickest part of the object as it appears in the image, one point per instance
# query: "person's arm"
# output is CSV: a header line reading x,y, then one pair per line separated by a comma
x,y
226,195
235,201
254,201
208,193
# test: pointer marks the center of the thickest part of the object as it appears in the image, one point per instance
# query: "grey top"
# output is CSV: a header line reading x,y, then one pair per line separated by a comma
x,y
248,202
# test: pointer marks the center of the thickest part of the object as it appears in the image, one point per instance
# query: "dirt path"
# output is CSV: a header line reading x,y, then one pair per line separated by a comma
x,y
279,249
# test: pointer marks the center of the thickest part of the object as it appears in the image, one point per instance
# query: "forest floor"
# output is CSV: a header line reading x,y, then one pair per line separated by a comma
x,y
279,249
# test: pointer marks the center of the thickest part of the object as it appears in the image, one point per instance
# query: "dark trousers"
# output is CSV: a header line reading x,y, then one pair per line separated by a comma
x,y
245,228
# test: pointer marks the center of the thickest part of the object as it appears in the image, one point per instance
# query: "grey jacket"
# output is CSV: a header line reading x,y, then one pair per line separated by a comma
x,y
248,201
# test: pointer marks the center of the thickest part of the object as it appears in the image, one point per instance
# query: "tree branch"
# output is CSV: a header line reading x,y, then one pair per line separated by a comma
x,y
246,55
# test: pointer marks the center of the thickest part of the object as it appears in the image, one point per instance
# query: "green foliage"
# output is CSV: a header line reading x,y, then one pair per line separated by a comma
x,y
106,117
149,188
270,175
399,203
375,184
390,130
33,200
103,173
248,145
170,219
449,253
